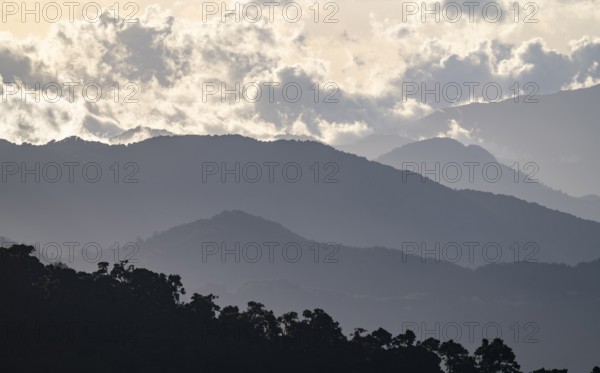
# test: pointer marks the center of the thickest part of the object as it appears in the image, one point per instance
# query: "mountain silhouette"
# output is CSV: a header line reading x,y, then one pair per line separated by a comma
x,y
374,145
339,197
559,133
138,133
455,158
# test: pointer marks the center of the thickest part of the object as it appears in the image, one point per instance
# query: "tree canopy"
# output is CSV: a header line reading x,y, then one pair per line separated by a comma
x,y
132,319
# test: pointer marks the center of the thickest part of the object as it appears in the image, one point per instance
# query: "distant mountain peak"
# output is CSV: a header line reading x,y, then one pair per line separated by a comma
x,y
591,198
137,134
442,148
374,145
237,216
234,222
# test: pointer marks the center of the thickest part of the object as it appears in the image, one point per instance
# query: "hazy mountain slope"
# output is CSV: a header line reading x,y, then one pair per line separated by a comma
x,y
252,248
352,201
268,251
540,308
560,133
452,161
374,145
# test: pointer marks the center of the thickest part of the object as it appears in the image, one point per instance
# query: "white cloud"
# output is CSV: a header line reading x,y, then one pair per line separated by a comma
x,y
169,58
456,132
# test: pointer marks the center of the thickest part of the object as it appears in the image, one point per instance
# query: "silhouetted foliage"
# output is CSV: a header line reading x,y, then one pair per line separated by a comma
x,y
456,358
496,357
132,319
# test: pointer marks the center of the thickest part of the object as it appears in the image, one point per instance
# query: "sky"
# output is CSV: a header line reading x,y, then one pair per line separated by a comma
x,y
332,71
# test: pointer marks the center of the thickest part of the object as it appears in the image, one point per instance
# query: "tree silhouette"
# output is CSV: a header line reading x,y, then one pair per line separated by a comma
x,y
456,358
405,340
496,357
132,319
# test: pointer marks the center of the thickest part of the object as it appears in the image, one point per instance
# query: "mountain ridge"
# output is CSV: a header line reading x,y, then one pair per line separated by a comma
x,y
353,201
435,153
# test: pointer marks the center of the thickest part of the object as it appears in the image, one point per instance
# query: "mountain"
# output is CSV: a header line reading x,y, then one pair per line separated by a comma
x,y
234,247
559,133
73,190
374,145
538,307
472,167
138,133
591,198
296,137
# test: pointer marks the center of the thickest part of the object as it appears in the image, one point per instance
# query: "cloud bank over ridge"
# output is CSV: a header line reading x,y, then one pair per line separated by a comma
x,y
177,68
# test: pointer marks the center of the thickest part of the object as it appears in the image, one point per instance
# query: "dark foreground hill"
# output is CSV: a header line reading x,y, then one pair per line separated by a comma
x,y
128,319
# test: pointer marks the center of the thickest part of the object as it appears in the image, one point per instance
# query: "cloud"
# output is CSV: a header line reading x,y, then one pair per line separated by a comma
x,y
155,74
456,132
